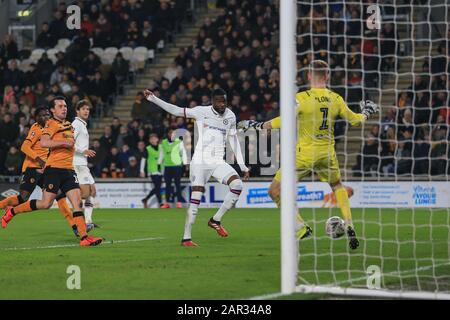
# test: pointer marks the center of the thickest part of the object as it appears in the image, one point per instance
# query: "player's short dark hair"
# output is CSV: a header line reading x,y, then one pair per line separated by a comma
x,y
38,110
319,67
219,92
52,102
80,104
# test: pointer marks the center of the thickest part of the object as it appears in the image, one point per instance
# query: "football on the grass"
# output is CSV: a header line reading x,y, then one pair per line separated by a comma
x,y
335,227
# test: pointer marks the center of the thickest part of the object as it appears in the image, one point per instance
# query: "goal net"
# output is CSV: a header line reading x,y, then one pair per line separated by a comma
x,y
396,166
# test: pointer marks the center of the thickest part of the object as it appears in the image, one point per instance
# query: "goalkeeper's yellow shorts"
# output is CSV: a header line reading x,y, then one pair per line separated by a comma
x,y
323,161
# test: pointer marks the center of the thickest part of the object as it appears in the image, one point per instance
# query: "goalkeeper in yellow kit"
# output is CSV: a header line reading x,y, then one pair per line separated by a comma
x,y
317,111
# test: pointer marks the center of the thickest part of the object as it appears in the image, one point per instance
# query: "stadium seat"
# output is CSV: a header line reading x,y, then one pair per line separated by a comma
x,y
138,60
127,53
160,45
98,51
52,54
143,50
151,54
25,65
63,44
107,57
36,54
111,50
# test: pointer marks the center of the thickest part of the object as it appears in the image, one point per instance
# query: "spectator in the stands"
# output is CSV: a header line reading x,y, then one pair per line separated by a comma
x,y
422,108
388,46
120,68
388,148
45,39
115,128
149,36
113,157
13,76
140,109
98,89
123,156
79,48
439,61
370,155
44,68
132,168
133,35
141,151
8,48
57,75
440,105
389,119
403,100
406,122
9,131
58,25
164,17
421,152
13,161
97,163
91,63
87,25
100,38
106,140
440,151
124,137
403,160
30,77
15,113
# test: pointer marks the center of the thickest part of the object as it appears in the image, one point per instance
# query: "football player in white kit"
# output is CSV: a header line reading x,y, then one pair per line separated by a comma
x,y
215,125
82,152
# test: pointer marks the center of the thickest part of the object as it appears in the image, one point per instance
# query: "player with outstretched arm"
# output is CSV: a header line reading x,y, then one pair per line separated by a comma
x,y
216,124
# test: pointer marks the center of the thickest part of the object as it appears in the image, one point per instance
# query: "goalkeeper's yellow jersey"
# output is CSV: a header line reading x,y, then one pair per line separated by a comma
x,y
317,111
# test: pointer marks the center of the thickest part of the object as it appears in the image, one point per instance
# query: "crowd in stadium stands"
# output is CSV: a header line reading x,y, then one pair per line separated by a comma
x,y
76,72
237,51
413,137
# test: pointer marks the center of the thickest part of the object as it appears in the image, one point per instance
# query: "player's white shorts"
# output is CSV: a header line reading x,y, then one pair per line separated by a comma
x,y
84,175
199,174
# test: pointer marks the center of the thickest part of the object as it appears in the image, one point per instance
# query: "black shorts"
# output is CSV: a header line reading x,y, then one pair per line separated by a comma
x,y
56,179
30,179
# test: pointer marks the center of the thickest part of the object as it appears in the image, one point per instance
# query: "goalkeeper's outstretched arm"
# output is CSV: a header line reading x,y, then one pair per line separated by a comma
x,y
170,108
270,124
367,109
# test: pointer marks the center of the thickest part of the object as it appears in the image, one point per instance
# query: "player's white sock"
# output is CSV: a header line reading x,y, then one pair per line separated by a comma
x,y
196,197
230,199
88,208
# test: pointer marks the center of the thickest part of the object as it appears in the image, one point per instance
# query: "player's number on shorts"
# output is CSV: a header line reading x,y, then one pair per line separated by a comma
x,y
324,124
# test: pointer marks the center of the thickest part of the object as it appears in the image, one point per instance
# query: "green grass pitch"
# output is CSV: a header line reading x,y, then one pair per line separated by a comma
x,y
142,257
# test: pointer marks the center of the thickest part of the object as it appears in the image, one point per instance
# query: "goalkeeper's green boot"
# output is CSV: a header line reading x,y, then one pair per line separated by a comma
x,y
304,232
352,240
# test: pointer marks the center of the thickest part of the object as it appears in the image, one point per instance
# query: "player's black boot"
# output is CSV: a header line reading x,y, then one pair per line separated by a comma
x,y
352,240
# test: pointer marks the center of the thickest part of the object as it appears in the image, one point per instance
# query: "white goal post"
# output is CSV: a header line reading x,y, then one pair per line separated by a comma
x,y
288,124
397,54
